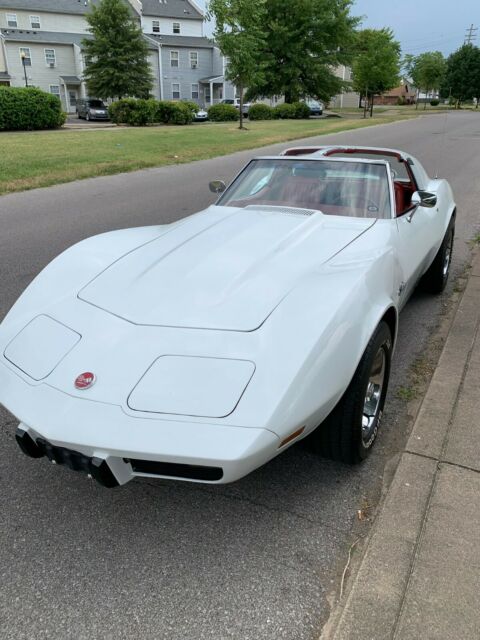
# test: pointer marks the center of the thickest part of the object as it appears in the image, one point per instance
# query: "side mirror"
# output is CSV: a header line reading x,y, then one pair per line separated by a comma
x,y
217,186
424,199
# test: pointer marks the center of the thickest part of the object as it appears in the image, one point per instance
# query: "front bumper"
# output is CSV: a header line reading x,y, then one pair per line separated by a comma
x,y
99,116
133,446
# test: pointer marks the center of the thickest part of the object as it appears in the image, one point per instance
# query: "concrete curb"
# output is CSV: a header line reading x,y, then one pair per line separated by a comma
x,y
375,604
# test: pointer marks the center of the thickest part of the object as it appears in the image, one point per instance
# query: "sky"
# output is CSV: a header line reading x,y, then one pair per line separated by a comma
x,y
419,25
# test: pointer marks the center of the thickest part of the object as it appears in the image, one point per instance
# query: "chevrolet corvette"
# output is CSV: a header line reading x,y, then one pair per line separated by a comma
x,y
199,350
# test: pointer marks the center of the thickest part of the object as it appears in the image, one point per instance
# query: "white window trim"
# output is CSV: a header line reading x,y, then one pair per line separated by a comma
x,y
177,59
29,57
15,19
155,25
47,62
195,53
176,84
179,28
37,21
53,92
197,91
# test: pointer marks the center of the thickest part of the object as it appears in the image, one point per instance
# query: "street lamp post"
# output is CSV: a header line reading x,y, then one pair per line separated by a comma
x,y
23,56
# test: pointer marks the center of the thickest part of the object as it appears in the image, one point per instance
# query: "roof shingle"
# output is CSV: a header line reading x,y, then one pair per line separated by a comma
x,y
183,41
78,7
171,9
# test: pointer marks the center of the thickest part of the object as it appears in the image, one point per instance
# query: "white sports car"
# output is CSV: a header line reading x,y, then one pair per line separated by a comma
x,y
201,349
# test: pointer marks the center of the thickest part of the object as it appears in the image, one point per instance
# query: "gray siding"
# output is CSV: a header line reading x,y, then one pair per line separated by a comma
x,y
40,74
48,21
187,27
184,75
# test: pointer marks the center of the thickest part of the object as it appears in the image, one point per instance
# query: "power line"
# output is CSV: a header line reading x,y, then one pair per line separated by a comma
x,y
471,34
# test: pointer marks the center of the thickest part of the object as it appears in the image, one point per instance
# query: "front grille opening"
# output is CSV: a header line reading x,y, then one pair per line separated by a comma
x,y
172,469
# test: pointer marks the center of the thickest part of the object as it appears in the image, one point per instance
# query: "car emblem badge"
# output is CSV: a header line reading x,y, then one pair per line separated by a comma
x,y
85,380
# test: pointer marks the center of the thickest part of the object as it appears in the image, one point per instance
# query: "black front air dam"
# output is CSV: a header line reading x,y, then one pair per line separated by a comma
x,y
97,468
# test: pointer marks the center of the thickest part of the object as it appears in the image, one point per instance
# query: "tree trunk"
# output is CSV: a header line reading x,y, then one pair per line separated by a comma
x,y
416,101
365,99
371,105
240,86
291,96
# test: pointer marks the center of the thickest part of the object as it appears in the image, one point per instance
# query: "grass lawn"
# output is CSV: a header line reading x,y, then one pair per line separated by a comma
x,y
40,159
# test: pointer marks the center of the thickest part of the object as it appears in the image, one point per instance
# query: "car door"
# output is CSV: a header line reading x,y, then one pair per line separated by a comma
x,y
419,234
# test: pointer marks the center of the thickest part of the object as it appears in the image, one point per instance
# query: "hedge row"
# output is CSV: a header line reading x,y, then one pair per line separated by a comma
x,y
28,109
142,112
284,111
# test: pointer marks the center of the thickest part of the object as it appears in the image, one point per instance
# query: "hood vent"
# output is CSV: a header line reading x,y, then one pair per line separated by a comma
x,y
288,210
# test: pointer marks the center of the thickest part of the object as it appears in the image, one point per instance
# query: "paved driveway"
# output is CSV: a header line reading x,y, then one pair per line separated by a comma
x,y
176,561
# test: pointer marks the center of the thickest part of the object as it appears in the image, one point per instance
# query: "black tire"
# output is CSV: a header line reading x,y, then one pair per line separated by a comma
x,y
435,278
342,436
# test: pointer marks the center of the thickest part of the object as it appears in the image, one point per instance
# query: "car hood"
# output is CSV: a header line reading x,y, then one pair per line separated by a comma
x,y
224,268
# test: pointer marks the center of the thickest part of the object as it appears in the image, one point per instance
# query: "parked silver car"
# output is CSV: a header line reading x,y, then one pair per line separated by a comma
x,y
92,109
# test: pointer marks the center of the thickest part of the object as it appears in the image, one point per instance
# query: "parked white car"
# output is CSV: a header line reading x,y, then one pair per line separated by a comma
x,y
236,104
201,349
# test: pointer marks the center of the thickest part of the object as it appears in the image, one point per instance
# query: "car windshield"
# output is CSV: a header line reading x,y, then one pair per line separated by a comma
x,y
96,104
357,189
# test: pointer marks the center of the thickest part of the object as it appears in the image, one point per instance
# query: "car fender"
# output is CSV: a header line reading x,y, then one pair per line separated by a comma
x,y
332,341
74,268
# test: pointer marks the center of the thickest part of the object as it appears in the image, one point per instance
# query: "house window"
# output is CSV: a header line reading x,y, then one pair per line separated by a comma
x,y
194,91
174,58
50,58
25,56
55,90
193,59
176,27
12,20
175,91
35,22
156,26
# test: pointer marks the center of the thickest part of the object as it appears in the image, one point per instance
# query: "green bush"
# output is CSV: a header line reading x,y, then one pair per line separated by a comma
x,y
260,111
28,109
434,102
285,111
171,112
223,113
139,113
302,110
131,111
401,100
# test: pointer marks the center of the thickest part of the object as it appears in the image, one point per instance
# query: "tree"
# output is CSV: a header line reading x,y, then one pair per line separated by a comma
x,y
117,54
426,70
305,40
462,76
239,34
376,66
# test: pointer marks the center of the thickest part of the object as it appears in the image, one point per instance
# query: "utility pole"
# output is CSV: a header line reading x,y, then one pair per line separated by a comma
x,y
471,34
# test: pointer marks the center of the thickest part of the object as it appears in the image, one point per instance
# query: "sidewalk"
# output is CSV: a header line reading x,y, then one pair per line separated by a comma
x,y
419,578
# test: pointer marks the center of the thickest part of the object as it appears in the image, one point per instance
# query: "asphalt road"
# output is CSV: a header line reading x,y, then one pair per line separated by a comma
x,y
176,561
